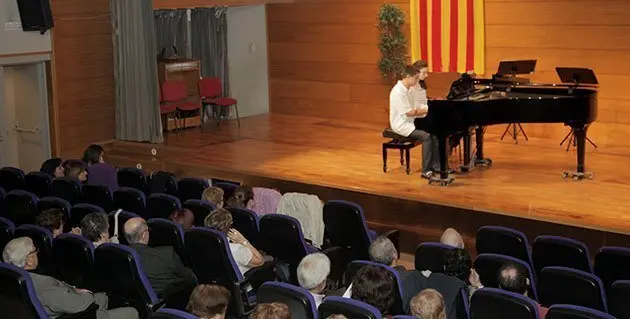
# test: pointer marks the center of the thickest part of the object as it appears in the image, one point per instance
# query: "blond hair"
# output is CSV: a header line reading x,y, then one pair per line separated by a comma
x,y
428,304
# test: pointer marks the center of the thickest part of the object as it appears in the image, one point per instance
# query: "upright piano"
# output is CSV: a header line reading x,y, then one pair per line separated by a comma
x,y
485,102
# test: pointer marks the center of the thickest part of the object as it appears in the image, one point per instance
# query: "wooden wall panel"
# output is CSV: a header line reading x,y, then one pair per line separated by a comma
x,y
333,44
83,75
176,4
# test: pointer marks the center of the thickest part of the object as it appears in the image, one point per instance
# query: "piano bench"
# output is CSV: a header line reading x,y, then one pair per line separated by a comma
x,y
400,143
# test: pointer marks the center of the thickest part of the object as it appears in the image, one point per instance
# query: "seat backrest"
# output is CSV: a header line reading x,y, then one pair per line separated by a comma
x,y
38,183
560,251
210,87
17,296
164,232
173,91
247,223
504,241
162,205
561,285
492,303
612,264
167,313
348,307
431,256
575,312
299,300
200,210
20,207
281,237
131,200
132,177
68,188
191,188
99,195
228,189
488,266
79,211
7,228
162,182
618,297
123,217
353,268
345,227
73,256
211,257
12,178
121,277
42,238
51,202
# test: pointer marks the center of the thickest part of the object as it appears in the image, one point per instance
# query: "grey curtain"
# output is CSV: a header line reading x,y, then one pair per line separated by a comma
x,y
171,28
209,44
135,71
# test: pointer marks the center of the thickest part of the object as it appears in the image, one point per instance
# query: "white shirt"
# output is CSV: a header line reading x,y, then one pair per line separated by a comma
x,y
242,256
403,100
318,299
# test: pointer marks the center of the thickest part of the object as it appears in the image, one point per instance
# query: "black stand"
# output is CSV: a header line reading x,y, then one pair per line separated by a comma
x,y
511,69
515,132
570,137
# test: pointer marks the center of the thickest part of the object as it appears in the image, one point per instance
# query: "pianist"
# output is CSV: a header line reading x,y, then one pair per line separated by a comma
x,y
406,104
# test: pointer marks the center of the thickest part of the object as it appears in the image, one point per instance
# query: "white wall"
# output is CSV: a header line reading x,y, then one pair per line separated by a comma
x,y
247,56
18,41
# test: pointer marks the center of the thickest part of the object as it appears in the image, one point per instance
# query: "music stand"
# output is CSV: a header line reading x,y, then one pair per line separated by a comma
x,y
577,77
512,68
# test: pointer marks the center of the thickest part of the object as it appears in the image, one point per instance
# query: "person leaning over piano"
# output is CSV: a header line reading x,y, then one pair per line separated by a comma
x,y
407,101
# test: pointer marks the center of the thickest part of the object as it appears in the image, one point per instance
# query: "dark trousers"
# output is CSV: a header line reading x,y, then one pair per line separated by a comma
x,y
430,150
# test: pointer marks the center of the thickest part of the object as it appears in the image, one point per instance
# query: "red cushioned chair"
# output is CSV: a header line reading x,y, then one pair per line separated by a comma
x,y
210,93
174,93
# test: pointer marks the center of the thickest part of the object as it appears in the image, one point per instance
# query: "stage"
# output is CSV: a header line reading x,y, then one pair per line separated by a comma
x,y
338,159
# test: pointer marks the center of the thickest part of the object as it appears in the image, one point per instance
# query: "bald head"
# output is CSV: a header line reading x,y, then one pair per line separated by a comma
x,y
512,277
137,231
452,238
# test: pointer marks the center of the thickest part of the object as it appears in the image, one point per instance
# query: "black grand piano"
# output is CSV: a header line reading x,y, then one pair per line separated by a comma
x,y
477,103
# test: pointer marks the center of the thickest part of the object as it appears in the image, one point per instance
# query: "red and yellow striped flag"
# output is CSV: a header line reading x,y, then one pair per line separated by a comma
x,y
448,34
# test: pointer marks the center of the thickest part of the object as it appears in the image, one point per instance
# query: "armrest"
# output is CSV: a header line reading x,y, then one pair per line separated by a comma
x,y
259,275
394,236
89,313
157,305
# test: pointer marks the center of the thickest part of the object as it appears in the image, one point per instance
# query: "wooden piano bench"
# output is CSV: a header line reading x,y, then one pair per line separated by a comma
x,y
401,143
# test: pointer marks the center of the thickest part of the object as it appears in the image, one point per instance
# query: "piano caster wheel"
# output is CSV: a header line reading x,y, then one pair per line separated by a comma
x,y
576,176
440,181
483,162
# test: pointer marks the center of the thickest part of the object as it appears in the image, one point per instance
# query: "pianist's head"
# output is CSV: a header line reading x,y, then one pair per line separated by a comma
x,y
410,77
423,72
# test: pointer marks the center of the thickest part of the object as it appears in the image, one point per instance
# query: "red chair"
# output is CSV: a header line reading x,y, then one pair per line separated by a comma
x,y
210,93
175,93
167,110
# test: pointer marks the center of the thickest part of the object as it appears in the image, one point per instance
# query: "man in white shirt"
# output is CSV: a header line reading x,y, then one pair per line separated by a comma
x,y
312,273
407,101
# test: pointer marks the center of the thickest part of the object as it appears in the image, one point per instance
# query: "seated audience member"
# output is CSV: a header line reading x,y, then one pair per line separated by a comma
x,y
312,273
213,195
428,304
52,167
162,265
512,277
183,217
242,198
382,251
374,286
265,200
209,302
245,255
273,310
76,169
54,220
452,238
57,297
99,172
95,227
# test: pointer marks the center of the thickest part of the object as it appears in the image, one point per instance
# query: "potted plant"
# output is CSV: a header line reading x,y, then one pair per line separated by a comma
x,y
392,42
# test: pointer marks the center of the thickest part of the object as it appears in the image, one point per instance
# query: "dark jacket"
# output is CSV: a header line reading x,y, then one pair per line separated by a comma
x,y
103,174
448,286
163,268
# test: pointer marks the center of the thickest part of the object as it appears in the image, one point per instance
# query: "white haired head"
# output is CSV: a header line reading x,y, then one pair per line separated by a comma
x,y
313,271
17,252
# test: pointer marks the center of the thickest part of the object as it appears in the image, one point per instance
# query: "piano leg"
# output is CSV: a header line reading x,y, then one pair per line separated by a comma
x,y
444,179
468,164
579,132
479,159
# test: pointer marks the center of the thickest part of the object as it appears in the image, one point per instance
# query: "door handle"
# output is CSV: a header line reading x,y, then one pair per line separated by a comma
x,y
25,130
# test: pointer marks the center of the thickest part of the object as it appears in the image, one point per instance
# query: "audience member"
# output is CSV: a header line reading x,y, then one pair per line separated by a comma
x,y
209,302
162,265
183,217
265,200
428,304
242,197
452,238
273,310
95,227
54,220
75,169
312,273
374,286
99,172
513,277
52,167
245,255
213,195
57,297
382,251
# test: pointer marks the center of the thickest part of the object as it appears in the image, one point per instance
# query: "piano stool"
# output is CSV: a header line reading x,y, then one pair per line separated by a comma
x,y
401,143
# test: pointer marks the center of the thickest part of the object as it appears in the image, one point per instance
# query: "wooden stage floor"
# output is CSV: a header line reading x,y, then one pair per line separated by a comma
x,y
524,182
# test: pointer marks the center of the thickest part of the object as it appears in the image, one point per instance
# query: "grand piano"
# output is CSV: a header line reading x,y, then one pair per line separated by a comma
x,y
477,103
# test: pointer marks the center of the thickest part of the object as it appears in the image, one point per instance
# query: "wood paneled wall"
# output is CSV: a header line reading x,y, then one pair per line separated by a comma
x,y
177,4
82,67
323,55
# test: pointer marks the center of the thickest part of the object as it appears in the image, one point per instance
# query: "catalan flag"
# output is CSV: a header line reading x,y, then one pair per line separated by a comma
x,y
448,34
